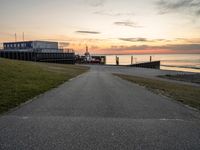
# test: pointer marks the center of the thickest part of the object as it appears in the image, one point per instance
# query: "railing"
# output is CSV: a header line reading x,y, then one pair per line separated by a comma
x,y
68,50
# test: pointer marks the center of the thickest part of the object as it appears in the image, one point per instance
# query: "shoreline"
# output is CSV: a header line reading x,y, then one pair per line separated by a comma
x,y
168,68
177,62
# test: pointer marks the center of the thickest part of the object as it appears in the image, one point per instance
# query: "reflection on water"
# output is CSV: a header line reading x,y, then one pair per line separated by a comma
x,y
179,62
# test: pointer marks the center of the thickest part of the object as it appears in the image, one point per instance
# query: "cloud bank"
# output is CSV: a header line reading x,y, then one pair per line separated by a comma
x,y
95,3
191,7
141,39
134,39
174,47
113,14
127,24
88,32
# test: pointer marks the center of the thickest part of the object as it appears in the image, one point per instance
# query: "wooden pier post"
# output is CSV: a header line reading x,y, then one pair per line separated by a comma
x,y
131,60
117,60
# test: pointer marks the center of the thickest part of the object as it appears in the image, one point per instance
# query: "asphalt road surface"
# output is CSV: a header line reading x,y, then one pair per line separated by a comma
x,y
97,111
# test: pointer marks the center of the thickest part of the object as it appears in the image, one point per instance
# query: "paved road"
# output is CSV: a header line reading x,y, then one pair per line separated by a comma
x,y
100,111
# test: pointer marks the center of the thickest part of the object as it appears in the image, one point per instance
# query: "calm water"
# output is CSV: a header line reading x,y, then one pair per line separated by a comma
x,y
180,62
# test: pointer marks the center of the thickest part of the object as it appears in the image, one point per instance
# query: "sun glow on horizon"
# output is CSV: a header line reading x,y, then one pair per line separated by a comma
x,y
107,26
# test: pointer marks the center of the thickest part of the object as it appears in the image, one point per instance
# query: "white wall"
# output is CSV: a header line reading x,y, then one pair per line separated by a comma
x,y
45,45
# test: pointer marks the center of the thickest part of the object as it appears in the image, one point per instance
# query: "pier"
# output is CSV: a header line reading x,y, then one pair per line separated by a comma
x,y
153,65
65,58
38,51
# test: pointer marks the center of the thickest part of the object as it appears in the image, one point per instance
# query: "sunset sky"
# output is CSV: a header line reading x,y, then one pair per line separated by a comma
x,y
106,26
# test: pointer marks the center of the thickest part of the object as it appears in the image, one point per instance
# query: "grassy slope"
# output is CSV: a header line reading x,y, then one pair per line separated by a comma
x,y
194,78
20,81
186,94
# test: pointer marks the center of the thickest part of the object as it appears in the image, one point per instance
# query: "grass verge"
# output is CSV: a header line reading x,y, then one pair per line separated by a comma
x,y
193,78
21,81
189,95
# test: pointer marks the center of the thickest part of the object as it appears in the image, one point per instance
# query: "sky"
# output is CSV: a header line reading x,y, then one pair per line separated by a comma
x,y
106,26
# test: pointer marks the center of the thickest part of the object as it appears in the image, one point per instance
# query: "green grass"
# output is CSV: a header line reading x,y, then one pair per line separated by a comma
x,y
193,78
21,81
189,95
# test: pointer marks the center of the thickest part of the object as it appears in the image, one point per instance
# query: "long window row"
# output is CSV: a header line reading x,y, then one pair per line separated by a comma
x,y
17,45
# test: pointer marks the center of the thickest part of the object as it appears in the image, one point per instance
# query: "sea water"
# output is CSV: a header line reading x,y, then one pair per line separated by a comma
x,y
178,62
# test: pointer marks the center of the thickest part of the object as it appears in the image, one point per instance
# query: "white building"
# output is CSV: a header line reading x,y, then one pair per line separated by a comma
x,y
39,46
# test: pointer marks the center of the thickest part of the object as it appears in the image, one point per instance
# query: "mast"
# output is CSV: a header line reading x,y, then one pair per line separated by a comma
x,y
15,37
23,36
86,49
